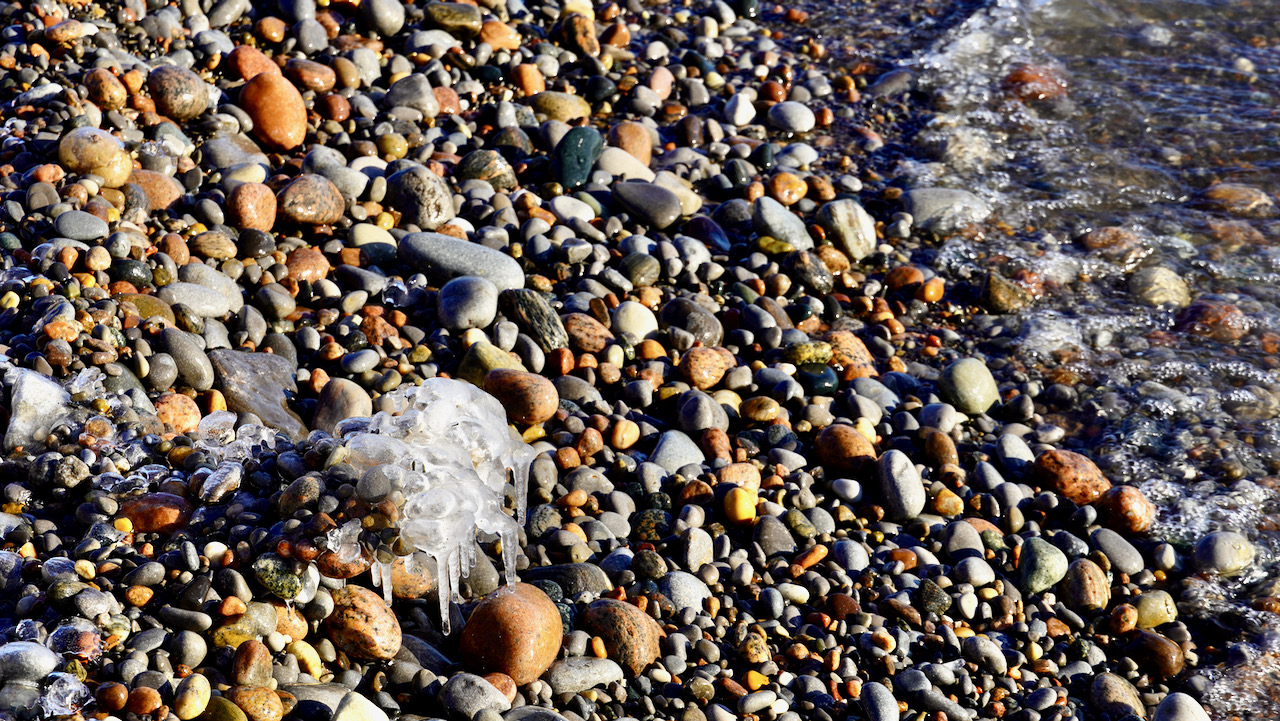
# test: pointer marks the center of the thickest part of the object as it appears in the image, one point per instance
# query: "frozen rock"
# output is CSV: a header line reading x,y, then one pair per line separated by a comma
x,y
36,405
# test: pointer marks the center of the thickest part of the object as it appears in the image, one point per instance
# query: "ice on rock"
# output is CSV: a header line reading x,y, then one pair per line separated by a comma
x,y
450,453
64,694
223,480
76,636
216,430
36,404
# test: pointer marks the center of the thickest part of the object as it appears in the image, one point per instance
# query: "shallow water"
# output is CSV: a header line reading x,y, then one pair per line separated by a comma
x,y
1163,98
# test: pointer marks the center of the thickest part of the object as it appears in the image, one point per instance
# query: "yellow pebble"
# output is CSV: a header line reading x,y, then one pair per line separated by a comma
x,y
755,680
964,632
578,6
385,221
863,426
123,525
308,659
987,593
667,392
533,434
597,647
217,402
85,569
473,336
740,505
726,398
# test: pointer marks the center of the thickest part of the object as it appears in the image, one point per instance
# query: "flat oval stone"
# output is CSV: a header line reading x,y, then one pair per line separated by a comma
x,y
205,302
444,257
252,205
686,314
575,155
148,305
161,190
901,489
1071,474
79,225
650,204
192,697
339,400
105,89
194,368
528,398
467,302
156,512
560,106
969,386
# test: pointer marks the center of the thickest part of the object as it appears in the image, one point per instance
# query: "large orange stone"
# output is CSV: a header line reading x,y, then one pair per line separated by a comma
x,y
275,105
843,450
515,630
1072,475
156,512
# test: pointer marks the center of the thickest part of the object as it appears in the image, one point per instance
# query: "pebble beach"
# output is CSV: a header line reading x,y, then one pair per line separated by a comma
x,y
542,360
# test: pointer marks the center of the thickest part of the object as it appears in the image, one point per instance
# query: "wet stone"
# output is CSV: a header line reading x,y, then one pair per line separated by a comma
x,y
276,108
445,257
423,197
514,630
311,200
178,93
652,205
362,626
79,225
630,637
257,383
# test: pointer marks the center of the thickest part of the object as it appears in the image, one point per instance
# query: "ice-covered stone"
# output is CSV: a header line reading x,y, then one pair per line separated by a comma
x,y
450,452
36,404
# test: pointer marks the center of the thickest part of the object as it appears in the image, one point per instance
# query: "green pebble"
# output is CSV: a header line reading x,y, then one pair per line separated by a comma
x,y
969,386
1155,608
1041,567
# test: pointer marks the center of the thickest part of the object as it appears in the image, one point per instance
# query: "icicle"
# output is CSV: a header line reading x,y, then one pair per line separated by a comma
x,y
510,540
522,491
455,573
386,581
444,590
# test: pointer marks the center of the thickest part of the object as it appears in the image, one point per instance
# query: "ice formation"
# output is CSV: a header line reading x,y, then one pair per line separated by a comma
x,y
447,451
450,453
